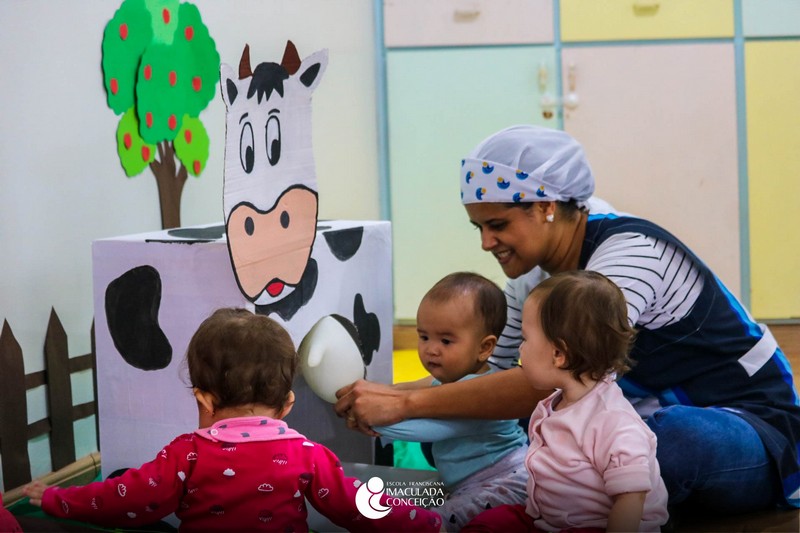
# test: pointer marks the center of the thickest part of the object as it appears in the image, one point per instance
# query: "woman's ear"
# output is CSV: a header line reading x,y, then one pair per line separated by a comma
x,y
547,210
487,348
559,359
287,405
205,399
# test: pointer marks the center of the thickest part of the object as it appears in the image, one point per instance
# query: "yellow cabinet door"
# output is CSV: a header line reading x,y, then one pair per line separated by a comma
x,y
772,81
613,20
658,123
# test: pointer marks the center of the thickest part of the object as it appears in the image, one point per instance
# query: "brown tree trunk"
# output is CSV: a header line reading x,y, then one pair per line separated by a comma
x,y
170,180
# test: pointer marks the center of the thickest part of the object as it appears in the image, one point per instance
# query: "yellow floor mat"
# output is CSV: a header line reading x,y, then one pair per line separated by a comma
x,y
406,367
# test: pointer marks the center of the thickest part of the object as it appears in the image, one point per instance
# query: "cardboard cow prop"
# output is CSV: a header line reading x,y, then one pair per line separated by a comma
x,y
331,279
271,206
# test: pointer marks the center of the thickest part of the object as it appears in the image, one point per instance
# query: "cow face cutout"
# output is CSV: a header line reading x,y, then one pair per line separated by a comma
x,y
270,191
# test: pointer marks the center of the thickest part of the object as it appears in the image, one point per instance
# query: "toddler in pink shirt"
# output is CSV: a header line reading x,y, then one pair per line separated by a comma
x,y
592,460
244,469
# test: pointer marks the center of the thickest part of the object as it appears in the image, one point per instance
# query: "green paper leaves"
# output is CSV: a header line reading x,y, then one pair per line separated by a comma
x,y
199,60
125,38
160,61
191,145
164,15
134,153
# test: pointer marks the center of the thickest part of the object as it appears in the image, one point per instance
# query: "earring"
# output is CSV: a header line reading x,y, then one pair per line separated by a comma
x,y
549,217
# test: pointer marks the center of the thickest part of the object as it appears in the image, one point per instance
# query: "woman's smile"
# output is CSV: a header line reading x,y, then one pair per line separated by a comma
x,y
504,257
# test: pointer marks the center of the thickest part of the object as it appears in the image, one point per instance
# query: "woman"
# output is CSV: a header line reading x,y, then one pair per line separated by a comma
x,y
714,385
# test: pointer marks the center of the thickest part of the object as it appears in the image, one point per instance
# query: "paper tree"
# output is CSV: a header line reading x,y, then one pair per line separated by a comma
x,y
160,69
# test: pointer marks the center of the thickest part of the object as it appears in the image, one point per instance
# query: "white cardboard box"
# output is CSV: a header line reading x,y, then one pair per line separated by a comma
x,y
142,410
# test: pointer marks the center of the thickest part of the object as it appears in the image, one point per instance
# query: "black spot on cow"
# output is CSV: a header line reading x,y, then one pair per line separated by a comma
x,y
233,92
369,328
344,243
267,77
118,472
132,302
310,74
351,330
211,233
304,290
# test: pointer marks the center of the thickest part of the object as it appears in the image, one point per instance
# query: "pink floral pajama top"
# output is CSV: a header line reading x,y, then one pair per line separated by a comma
x,y
241,474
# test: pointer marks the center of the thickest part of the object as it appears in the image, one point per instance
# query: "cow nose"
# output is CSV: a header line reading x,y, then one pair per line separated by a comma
x,y
249,226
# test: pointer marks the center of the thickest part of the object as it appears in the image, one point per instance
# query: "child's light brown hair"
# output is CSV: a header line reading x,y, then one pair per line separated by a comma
x,y
490,302
242,359
585,316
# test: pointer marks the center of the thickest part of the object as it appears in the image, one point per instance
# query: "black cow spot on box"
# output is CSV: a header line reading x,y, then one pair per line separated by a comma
x,y
132,303
344,243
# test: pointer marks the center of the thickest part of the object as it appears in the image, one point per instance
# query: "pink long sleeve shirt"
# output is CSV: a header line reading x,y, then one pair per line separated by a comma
x,y
583,455
241,474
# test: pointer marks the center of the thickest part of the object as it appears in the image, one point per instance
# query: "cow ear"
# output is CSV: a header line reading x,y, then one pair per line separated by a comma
x,y
227,85
312,68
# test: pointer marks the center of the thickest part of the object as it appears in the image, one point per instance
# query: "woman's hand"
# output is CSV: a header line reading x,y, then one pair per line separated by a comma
x,y
364,404
499,396
34,491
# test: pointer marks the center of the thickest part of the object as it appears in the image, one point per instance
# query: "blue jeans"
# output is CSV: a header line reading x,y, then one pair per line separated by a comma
x,y
712,460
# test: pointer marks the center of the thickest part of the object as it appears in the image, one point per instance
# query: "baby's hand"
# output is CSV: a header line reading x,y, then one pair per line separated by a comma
x,y
34,491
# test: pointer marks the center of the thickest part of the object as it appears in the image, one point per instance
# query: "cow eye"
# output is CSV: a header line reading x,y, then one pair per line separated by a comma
x,y
247,148
273,140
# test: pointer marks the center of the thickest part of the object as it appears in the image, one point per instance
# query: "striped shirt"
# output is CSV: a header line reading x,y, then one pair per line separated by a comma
x,y
660,282
696,344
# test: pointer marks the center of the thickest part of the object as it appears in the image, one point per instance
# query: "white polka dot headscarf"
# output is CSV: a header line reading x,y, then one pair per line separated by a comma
x,y
526,164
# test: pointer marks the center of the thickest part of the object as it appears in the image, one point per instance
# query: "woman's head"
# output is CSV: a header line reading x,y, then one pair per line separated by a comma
x,y
458,322
524,188
524,164
242,359
584,317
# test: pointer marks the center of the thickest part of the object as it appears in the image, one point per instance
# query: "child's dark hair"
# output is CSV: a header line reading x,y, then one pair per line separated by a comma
x,y
490,302
585,315
242,359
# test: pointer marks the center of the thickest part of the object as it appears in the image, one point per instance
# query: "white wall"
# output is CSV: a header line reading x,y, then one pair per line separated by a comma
x,y
61,183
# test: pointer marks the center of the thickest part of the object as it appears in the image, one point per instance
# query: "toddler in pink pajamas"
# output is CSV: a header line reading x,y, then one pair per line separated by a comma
x,y
592,460
244,469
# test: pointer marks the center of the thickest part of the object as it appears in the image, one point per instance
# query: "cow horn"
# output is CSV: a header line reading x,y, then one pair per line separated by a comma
x,y
244,64
290,61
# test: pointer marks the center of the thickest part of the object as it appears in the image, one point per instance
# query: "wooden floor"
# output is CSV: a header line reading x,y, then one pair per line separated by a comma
x,y
788,337
773,521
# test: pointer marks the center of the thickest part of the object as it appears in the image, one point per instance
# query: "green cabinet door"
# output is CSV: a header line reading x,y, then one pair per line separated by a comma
x,y
441,103
770,18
